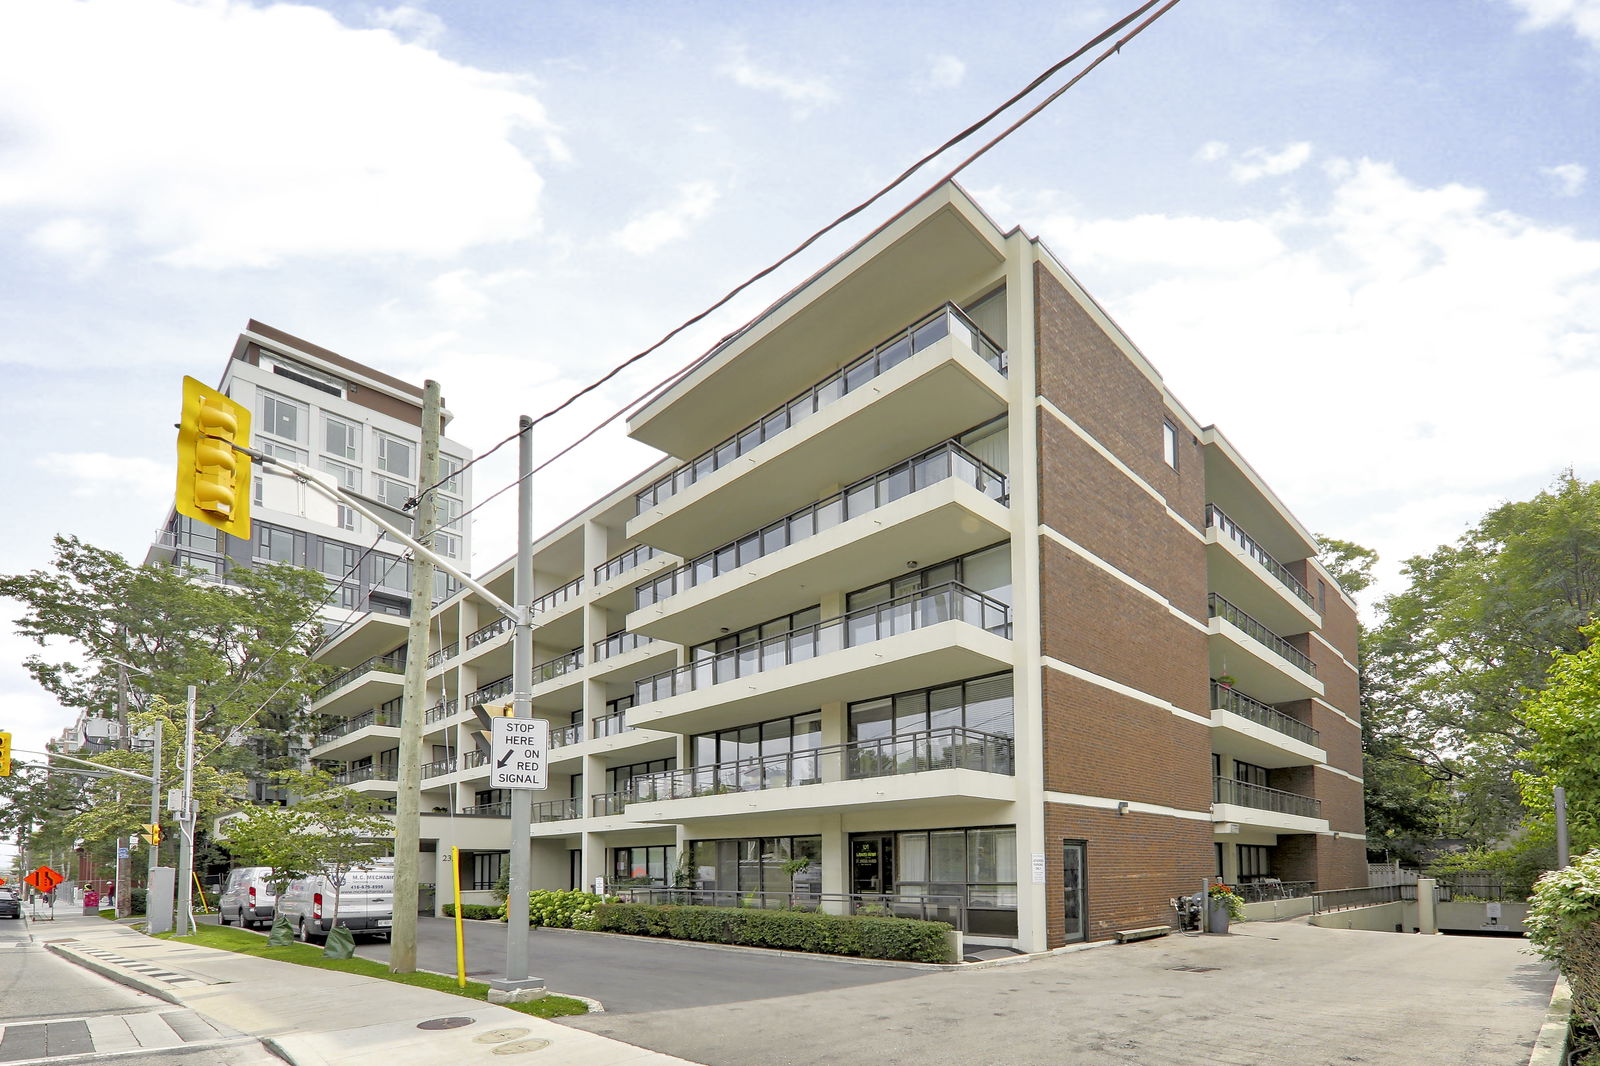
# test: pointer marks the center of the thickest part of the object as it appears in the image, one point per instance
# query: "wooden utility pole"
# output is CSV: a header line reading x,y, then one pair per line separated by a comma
x,y
408,799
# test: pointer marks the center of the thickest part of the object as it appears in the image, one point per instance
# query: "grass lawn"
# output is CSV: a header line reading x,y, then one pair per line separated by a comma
x,y
243,943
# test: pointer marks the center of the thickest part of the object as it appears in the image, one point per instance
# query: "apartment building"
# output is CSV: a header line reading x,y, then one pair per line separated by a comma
x,y
322,410
941,604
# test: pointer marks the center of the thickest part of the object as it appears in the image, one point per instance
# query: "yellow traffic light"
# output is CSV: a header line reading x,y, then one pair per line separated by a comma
x,y
152,832
213,478
5,754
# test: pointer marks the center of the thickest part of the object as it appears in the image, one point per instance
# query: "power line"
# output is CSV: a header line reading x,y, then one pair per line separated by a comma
x,y
680,374
837,222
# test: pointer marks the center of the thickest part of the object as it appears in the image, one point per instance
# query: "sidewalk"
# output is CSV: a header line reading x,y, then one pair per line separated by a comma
x,y
313,1017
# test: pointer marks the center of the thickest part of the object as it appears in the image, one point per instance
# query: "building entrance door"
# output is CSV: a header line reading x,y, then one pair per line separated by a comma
x,y
872,864
1074,889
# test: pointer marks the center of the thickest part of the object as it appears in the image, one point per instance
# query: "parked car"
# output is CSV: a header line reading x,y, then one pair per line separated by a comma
x,y
10,903
247,898
366,903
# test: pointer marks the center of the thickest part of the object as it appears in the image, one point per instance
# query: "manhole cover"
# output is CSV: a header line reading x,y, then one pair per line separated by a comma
x,y
520,1046
446,1023
500,1036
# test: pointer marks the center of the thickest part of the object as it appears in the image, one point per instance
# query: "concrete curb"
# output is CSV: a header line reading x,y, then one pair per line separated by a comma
x,y
105,969
1550,1047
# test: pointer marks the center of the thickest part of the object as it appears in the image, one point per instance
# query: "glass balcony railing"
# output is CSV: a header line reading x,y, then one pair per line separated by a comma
x,y
609,725
438,768
1262,798
1260,713
947,321
551,669
393,663
940,463
551,600
1221,608
608,804
376,716
567,734
472,758
915,610
1230,529
498,809
619,642
557,810
951,748
444,654
494,690
364,773
489,632
631,559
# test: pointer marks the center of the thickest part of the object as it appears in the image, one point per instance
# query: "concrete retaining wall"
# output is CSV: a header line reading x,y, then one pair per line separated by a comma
x,y
1453,917
1273,910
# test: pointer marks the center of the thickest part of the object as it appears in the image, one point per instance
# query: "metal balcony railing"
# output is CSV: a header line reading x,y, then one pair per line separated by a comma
x,y
551,600
1221,608
1233,700
364,773
609,725
1231,529
444,654
440,711
619,642
394,662
557,810
916,610
946,321
1262,798
568,734
607,804
376,716
500,809
951,748
438,768
618,565
1339,899
939,463
1270,888
494,690
487,633
551,669
472,758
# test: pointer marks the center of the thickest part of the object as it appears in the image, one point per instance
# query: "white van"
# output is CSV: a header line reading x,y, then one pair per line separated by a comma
x,y
366,902
247,897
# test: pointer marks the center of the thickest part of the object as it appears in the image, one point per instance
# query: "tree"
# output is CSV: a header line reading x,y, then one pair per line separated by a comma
x,y
1564,720
1460,650
1349,563
246,646
330,831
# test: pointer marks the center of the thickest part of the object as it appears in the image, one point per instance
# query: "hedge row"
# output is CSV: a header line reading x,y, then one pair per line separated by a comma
x,y
829,934
559,909
482,912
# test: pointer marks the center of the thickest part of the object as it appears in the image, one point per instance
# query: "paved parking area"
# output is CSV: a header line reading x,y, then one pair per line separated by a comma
x,y
1286,994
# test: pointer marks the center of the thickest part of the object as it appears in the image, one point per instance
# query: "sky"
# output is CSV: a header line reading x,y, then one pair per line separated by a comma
x,y
1361,237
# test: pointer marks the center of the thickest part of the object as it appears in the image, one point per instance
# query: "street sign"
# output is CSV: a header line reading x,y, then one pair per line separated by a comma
x,y
122,853
519,749
44,879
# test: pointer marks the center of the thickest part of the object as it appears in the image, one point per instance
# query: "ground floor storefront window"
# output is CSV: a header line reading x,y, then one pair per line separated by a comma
x,y
643,865
973,869
762,871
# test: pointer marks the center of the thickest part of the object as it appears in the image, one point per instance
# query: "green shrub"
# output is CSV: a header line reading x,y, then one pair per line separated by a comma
x,y
867,936
1564,927
478,912
138,900
558,909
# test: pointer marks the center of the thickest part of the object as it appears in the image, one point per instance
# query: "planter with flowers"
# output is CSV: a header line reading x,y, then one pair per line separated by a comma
x,y
1224,905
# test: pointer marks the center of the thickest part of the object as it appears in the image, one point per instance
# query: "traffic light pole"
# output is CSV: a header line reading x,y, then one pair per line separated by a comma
x,y
155,811
184,922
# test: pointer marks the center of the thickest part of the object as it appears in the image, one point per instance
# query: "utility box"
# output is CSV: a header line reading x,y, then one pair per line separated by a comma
x,y
158,900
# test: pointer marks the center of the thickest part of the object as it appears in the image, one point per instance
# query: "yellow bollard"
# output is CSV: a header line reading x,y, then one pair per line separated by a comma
x,y
461,944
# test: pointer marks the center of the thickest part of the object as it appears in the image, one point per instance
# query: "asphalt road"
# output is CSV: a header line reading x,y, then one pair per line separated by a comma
x,y
51,1007
635,975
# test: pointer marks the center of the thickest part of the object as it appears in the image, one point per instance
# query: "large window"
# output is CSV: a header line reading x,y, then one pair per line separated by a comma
x,y
617,777
799,732
340,438
487,869
284,451
450,474
647,865
760,868
394,494
347,475
978,864
282,417
338,560
278,545
1255,862
983,705
987,571
1249,773
395,455
771,628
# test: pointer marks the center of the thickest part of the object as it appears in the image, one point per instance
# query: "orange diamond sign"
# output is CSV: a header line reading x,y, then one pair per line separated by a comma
x,y
44,879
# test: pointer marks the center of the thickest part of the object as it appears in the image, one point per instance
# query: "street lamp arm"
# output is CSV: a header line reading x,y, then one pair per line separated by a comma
x,y
101,767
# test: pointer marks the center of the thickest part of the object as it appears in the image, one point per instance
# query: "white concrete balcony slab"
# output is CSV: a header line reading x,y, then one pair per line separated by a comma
x,y
365,734
1261,662
371,634
938,505
1258,807
367,684
933,394
1243,573
615,579
1249,730
621,746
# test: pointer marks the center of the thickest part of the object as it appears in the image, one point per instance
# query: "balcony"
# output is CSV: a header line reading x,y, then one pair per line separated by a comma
x,y
368,778
438,768
370,682
494,690
938,504
566,735
484,634
922,638
363,637
1262,662
1262,807
619,642
1251,730
958,761
558,810
380,724
625,563
1241,570
440,711
936,378
608,804
444,654
552,601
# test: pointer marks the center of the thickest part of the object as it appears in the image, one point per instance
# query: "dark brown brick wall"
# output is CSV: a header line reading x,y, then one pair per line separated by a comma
x,y
1332,864
1340,739
1084,373
1092,620
1340,686
1102,743
1090,502
1339,625
1135,864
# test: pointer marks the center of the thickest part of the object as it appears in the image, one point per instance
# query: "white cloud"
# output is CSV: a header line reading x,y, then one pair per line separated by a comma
x,y
243,135
82,242
1257,163
99,475
1446,349
807,94
946,71
1212,151
649,231
1583,16
1567,178
419,24
466,294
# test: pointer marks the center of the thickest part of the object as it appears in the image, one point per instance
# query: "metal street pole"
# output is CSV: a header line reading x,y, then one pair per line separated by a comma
x,y
517,984
184,923
155,811
1563,855
408,798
